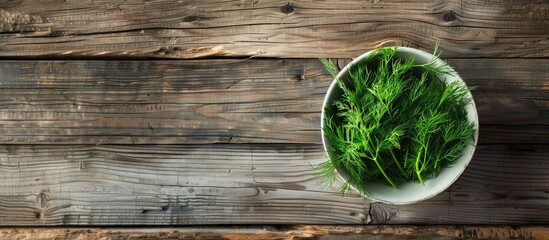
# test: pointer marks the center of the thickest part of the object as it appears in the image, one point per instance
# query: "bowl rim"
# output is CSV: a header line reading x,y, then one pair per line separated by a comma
x,y
415,52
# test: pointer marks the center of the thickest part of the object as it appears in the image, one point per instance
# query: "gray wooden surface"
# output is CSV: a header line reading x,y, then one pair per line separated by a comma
x,y
247,184
102,124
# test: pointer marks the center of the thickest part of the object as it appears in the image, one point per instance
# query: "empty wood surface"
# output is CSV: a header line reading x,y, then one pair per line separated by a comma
x,y
290,29
320,232
140,102
247,184
169,184
229,101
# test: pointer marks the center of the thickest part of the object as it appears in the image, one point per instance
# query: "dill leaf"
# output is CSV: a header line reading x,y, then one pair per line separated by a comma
x,y
395,121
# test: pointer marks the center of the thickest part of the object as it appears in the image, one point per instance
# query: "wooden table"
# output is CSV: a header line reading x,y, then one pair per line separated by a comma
x,y
175,113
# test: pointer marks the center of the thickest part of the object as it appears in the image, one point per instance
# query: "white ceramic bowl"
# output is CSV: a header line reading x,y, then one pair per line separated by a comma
x,y
411,192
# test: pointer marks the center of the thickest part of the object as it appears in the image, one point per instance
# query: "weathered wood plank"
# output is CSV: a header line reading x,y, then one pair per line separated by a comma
x,y
291,29
168,184
228,101
135,102
534,134
324,232
508,91
246,184
458,214
504,184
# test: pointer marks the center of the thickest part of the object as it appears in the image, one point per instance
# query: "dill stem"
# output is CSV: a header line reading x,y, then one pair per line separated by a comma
x,y
420,178
425,149
418,172
381,169
384,174
396,161
438,157
424,159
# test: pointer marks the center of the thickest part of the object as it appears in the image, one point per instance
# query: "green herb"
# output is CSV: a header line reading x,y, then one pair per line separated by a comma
x,y
396,121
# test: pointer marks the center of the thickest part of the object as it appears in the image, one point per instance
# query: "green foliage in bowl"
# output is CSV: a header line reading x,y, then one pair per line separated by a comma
x,y
395,121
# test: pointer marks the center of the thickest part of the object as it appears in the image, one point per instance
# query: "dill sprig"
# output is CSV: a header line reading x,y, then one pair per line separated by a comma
x,y
395,121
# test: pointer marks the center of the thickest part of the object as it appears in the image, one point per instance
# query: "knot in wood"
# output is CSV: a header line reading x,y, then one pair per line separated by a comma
x,y
287,8
42,199
191,18
449,16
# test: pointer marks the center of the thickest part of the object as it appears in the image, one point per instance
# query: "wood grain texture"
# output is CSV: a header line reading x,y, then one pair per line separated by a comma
x,y
228,101
512,108
503,184
136,102
508,91
533,134
461,214
317,232
169,184
290,29
45,185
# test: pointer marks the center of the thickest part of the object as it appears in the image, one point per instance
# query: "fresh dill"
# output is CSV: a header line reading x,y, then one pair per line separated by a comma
x,y
395,121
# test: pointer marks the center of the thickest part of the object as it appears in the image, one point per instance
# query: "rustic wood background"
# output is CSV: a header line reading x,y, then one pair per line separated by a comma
x,y
103,124
277,232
